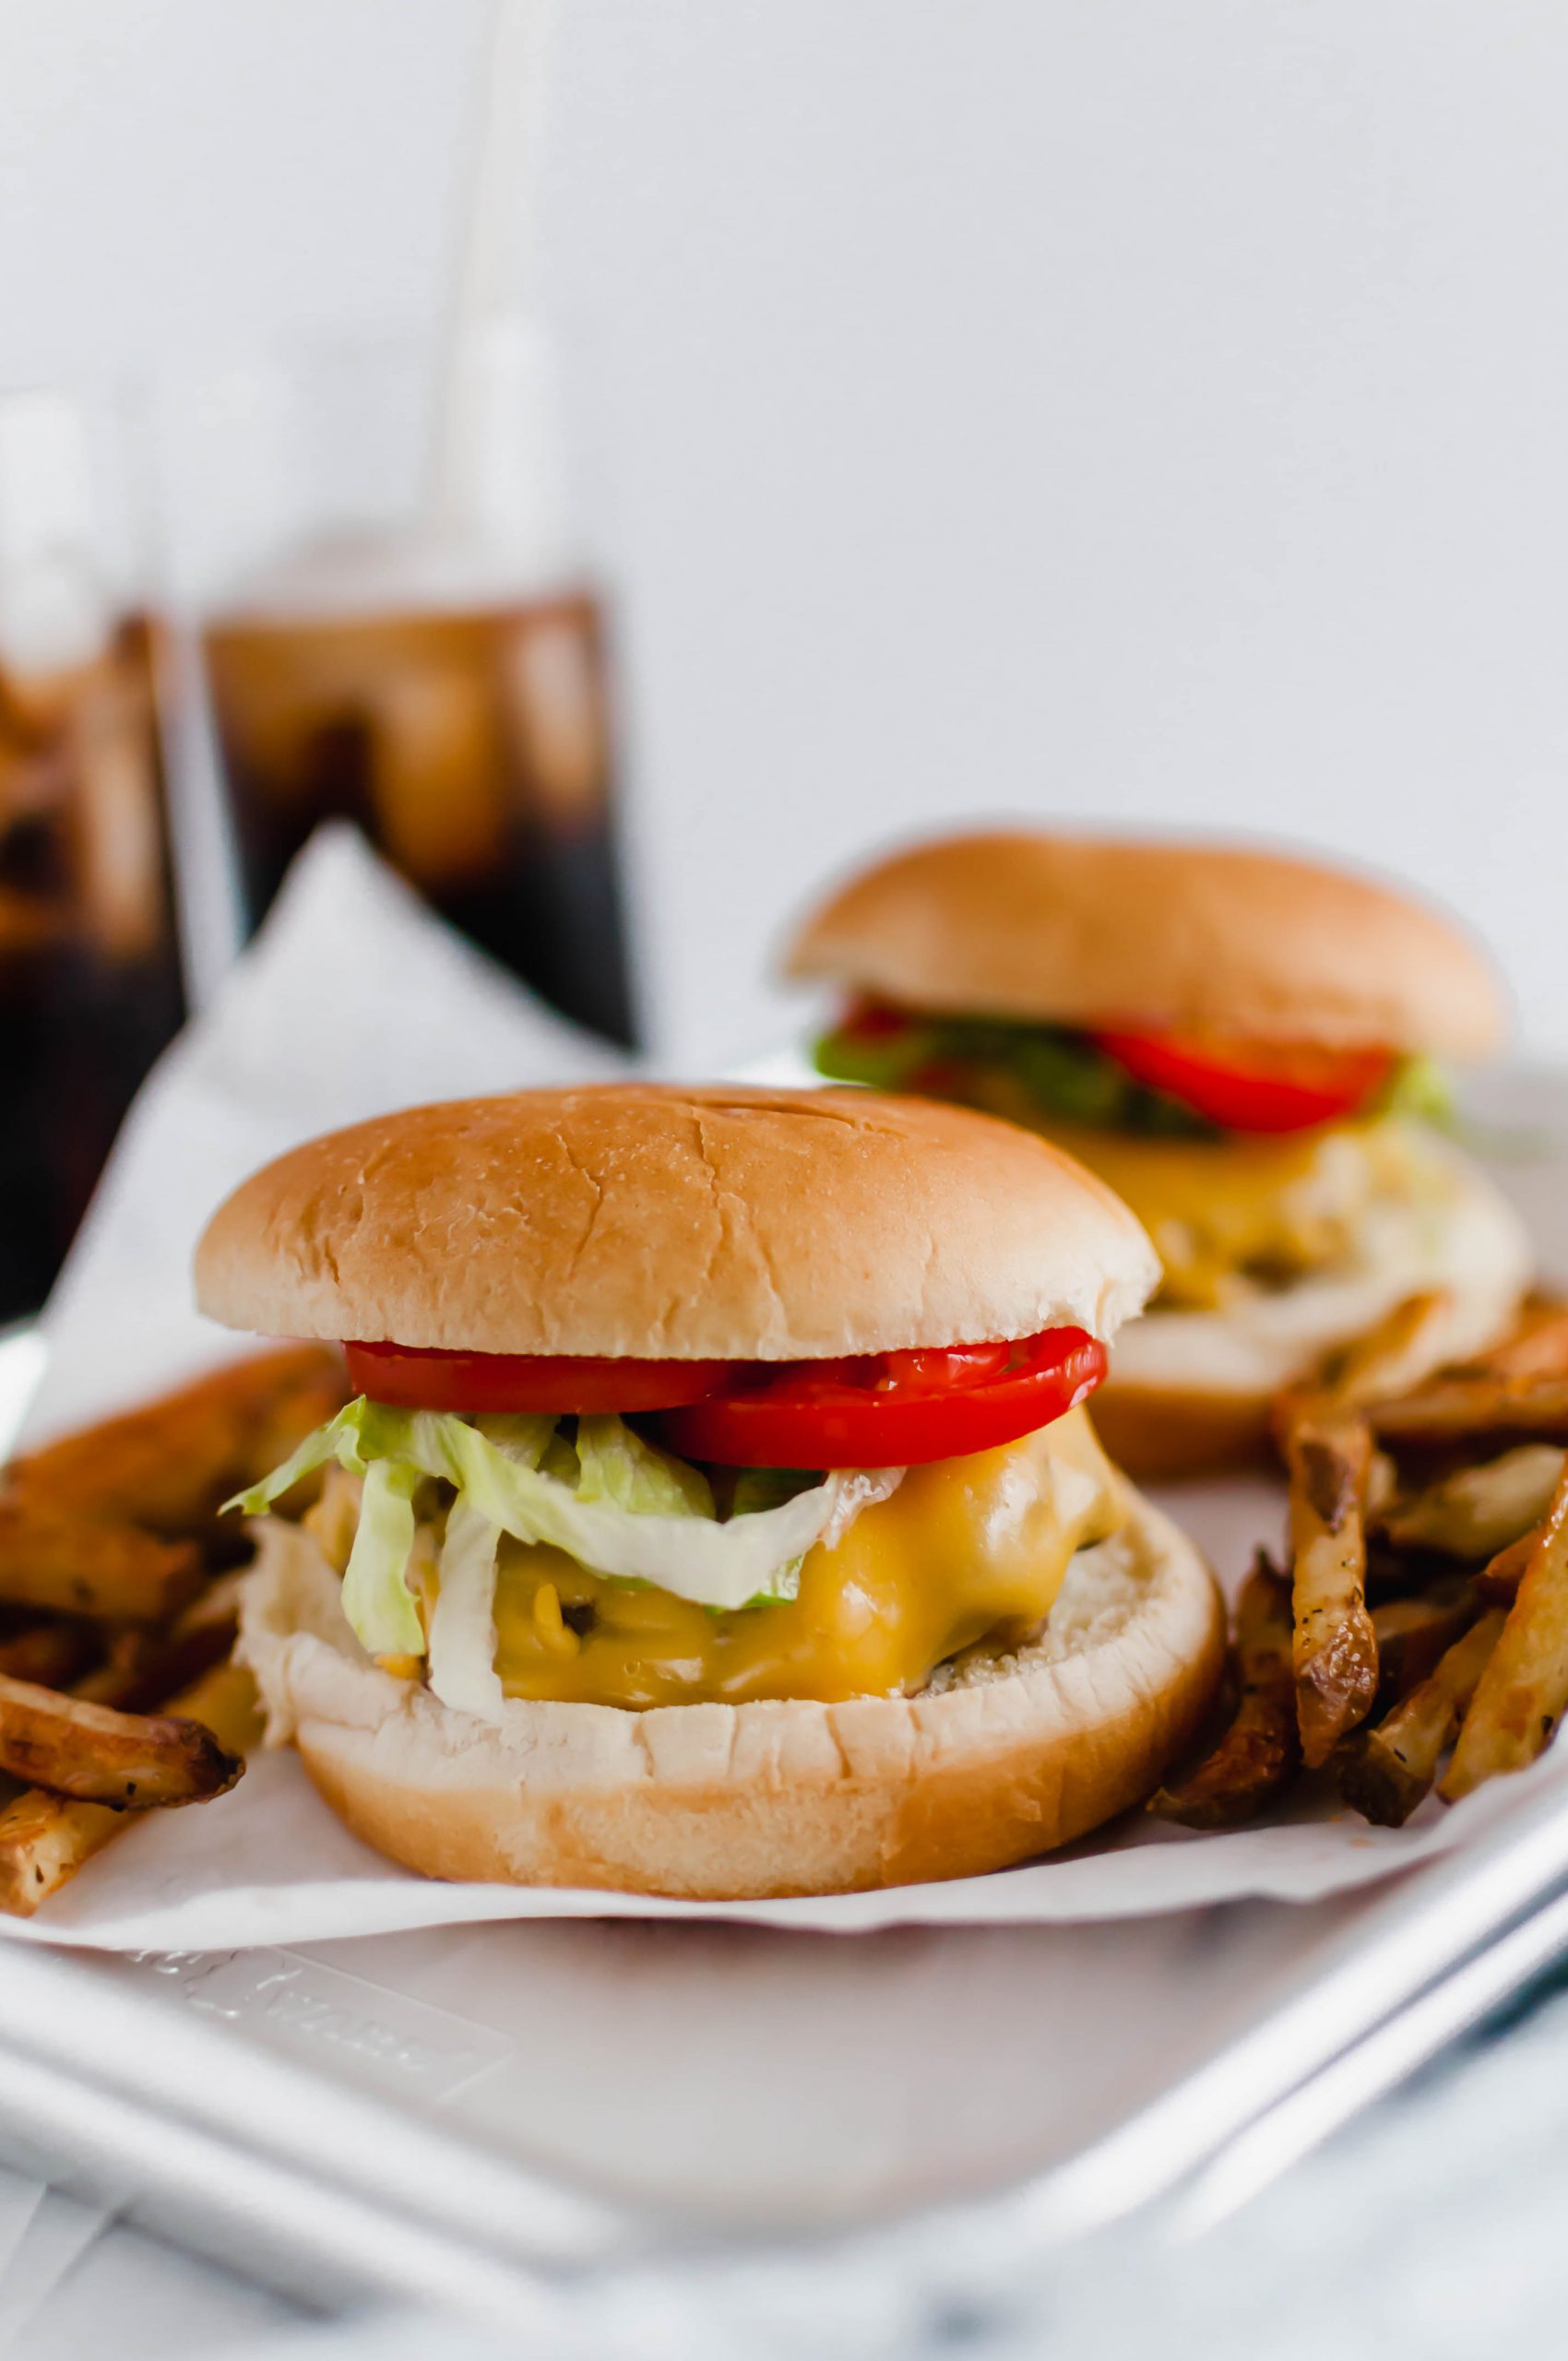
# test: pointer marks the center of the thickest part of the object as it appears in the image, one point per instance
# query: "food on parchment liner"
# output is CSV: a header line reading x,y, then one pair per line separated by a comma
x,y
1428,1581
118,1604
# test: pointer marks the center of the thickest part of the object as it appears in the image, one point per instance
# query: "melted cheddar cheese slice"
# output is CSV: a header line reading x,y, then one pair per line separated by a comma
x,y
966,1550
1242,1212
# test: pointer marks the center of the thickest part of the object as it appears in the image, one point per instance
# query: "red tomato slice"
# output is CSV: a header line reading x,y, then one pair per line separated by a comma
x,y
1246,1086
890,1409
874,1020
418,1379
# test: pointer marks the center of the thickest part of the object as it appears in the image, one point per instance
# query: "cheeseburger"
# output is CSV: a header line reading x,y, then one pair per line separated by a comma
x,y
1252,1049
718,1513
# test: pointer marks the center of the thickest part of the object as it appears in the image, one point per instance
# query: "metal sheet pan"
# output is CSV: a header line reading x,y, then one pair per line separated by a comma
x,y
465,2116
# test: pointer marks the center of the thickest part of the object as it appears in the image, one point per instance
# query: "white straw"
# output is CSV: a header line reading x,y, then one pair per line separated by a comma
x,y
495,254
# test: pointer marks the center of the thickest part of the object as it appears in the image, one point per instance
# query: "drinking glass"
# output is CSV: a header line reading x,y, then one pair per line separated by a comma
x,y
397,628
91,984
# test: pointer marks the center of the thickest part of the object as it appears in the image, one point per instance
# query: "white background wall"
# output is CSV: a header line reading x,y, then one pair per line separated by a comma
x,y
1130,410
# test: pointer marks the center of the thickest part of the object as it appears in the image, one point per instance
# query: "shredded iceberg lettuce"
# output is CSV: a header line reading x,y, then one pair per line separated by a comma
x,y
462,1625
376,1598
619,1466
611,1501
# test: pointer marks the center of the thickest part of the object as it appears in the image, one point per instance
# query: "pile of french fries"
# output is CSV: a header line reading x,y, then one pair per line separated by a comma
x,y
117,1607
1422,1617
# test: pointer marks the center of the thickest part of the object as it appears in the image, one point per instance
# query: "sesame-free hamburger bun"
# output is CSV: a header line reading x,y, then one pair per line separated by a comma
x,y
1088,930
675,1225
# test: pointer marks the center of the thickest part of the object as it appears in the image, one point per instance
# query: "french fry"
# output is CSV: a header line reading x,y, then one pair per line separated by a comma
x,y
1392,1357
1388,1359
50,1654
95,1754
1463,1408
225,1701
1524,1690
1260,1751
43,1842
1386,1772
1478,1511
1416,1632
1382,1486
144,1667
1498,1580
169,1464
1537,1347
55,1561
1336,1645
45,1839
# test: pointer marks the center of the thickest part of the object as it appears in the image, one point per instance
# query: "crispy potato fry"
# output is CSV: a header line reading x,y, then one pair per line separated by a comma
x,y
50,1654
143,1667
1385,1773
1478,1511
1537,1347
169,1464
114,1696
45,1839
1415,1634
1392,1357
56,1561
1382,1486
1498,1580
1389,1358
96,1754
1471,1408
1524,1687
1336,1645
1259,1751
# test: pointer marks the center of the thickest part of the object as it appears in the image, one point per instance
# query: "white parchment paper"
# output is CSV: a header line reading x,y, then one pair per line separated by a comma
x,y
353,1000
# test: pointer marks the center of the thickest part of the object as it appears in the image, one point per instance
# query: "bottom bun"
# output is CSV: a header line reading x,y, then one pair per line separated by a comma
x,y
1191,1393
995,1762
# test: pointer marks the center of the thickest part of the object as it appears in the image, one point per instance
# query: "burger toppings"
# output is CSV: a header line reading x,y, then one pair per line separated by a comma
x,y
543,1552
864,1410
1254,1086
963,1557
1251,1165
441,1380
1145,1082
600,1494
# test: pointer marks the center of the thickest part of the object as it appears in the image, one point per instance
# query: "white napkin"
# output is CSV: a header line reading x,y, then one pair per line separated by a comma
x,y
355,999
352,999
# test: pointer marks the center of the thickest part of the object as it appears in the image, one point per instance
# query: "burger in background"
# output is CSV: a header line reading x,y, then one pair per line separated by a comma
x,y
1253,1050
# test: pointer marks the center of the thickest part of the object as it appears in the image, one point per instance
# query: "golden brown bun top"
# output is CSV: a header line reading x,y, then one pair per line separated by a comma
x,y
1076,930
678,1224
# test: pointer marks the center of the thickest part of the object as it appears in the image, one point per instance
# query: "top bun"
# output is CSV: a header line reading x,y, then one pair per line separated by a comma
x,y
1076,929
674,1224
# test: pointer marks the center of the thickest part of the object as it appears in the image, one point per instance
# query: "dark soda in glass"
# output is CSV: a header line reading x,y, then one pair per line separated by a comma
x,y
470,742
90,965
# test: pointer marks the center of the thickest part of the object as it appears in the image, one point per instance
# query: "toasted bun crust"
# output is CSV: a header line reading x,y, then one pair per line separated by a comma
x,y
1192,1392
1078,930
726,1223
726,1802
